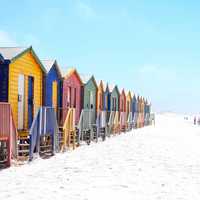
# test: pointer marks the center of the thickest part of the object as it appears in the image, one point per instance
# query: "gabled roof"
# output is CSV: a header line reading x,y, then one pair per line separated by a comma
x,y
71,71
122,92
107,88
100,83
13,53
113,87
134,96
48,64
86,78
129,94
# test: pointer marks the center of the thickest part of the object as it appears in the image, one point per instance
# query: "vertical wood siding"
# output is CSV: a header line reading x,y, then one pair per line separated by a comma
x,y
122,102
100,97
50,78
114,94
27,65
75,86
88,88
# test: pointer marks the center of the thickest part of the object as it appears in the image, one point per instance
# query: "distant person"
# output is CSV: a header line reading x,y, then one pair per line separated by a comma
x,y
195,120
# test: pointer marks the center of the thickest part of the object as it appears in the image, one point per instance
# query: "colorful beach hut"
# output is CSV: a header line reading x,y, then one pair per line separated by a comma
x,y
21,85
114,125
122,109
53,84
101,113
114,98
106,101
129,114
87,123
72,94
134,110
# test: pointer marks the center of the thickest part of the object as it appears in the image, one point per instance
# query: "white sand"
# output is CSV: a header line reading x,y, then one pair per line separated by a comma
x,y
153,163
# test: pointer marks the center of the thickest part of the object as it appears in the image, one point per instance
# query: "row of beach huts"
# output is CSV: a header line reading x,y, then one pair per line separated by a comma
x,y
44,110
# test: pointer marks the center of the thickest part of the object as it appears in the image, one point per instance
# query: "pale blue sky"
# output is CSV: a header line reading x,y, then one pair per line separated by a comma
x,y
151,47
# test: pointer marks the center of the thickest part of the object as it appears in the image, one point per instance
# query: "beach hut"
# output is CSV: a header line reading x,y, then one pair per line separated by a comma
x,y
53,84
72,93
21,84
140,112
87,123
129,114
134,110
114,125
147,112
122,109
106,101
106,107
101,113
71,107
8,136
137,111
143,111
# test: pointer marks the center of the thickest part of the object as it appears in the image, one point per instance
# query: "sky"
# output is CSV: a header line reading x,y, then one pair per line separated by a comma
x,y
149,47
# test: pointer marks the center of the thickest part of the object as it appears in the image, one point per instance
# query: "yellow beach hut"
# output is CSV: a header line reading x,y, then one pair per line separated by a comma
x,y
24,86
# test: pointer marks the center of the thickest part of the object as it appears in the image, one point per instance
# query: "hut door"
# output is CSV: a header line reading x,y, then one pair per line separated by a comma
x,y
54,95
30,100
21,102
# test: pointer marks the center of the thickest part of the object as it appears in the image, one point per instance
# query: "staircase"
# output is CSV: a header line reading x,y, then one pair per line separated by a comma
x,y
68,132
46,146
61,138
23,145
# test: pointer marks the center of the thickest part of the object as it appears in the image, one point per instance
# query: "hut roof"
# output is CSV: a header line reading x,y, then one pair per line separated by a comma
x,y
86,78
128,93
103,84
12,53
48,64
111,87
71,71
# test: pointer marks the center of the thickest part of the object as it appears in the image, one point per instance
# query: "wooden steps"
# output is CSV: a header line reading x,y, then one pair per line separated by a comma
x,y
46,146
23,148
